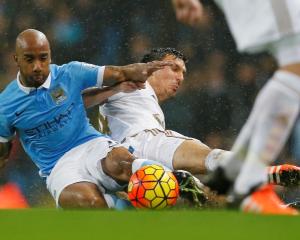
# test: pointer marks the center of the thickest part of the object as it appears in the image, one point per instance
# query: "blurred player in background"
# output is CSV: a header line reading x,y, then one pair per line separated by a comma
x,y
273,26
44,108
136,119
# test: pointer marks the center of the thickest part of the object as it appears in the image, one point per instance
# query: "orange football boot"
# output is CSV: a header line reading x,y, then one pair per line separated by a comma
x,y
265,201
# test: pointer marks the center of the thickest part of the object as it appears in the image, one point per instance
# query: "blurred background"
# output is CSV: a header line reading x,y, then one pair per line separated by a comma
x,y
212,105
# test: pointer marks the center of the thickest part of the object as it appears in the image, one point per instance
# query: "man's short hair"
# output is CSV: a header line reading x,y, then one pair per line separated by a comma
x,y
157,54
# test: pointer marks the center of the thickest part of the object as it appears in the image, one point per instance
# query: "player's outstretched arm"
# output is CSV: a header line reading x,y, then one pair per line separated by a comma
x,y
4,153
98,96
136,73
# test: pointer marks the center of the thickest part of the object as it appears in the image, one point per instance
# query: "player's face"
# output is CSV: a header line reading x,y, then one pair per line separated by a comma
x,y
168,80
33,60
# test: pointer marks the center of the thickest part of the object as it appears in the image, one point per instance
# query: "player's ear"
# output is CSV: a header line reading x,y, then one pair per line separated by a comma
x,y
16,59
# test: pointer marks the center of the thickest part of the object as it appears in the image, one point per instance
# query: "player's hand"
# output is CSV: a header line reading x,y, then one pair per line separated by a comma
x,y
139,72
189,12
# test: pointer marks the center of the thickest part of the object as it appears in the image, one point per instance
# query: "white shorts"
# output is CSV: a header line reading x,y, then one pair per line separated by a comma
x,y
287,50
157,145
82,164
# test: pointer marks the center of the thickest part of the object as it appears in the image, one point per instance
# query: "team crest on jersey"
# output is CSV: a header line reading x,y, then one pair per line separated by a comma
x,y
58,95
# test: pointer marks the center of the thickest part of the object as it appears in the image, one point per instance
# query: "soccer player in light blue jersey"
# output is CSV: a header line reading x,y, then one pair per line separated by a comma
x,y
44,108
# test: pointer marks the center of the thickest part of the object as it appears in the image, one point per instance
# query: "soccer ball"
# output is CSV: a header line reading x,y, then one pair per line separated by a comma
x,y
153,187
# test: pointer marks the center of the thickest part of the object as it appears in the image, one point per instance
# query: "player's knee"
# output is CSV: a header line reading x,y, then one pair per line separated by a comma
x,y
81,196
81,200
92,201
118,164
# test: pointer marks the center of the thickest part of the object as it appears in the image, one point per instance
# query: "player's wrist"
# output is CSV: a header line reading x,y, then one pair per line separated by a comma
x,y
113,75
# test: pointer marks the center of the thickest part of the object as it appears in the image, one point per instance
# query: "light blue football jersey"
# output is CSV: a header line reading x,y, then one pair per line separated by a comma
x,y
50,120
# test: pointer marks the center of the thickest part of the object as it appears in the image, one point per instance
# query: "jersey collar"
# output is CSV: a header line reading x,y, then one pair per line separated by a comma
x,y
27,90
148,85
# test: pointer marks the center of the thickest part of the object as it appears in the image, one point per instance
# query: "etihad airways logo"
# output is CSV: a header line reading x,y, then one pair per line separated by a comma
x,y
51,126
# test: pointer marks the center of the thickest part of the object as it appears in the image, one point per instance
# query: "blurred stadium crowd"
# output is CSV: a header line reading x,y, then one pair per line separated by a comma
x,y
218,91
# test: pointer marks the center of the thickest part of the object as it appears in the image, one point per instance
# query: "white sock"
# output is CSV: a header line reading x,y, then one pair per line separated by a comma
x,y
109,200
138,163
246,181
115,202
232,164
215,158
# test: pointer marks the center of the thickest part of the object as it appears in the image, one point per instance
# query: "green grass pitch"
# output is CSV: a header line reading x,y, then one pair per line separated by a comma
x,y
52,224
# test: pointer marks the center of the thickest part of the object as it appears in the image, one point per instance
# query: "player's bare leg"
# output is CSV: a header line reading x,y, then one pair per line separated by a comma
x,y
197,158
82,195
117,165
190,156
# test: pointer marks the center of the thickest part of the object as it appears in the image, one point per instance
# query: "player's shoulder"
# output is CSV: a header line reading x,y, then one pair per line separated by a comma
x,y
70,67
59,71
10,92
76,64
136,95
10,98
65,66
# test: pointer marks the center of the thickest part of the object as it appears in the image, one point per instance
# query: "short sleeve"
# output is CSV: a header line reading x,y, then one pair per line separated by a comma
x,y
86,75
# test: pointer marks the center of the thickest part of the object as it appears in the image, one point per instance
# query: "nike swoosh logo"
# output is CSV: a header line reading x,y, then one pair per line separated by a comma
x,y
19,113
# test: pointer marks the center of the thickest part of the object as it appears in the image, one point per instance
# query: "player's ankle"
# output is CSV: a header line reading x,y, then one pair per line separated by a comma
x,y
215,157
218,181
